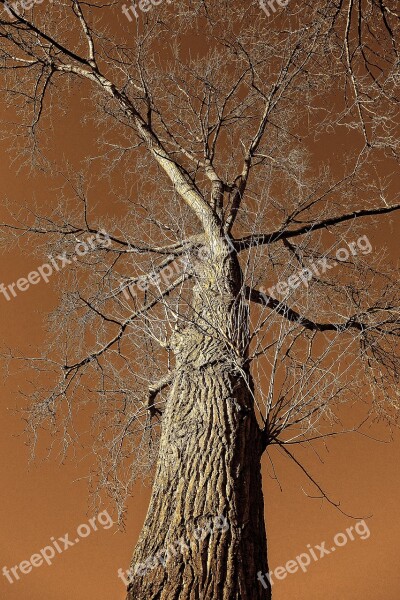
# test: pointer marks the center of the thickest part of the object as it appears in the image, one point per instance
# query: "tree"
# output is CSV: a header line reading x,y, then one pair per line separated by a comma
x,y
173,346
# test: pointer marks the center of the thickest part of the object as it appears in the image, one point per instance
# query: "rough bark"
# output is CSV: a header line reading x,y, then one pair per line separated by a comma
x,y
209,459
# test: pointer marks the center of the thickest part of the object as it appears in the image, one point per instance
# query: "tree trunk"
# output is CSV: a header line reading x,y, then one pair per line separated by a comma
x,y
204,534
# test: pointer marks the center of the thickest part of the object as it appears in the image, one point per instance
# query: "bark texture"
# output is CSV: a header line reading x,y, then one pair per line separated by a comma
x,y
204,534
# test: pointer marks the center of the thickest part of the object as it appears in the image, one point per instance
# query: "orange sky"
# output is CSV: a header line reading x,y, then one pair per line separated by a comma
x,y
47,499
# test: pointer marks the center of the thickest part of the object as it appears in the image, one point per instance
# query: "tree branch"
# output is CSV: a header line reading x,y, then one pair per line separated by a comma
x,y
259,239
295,317
154,389
69,368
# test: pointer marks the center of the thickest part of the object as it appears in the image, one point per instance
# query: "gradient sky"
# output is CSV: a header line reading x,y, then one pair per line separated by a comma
x,y
48,499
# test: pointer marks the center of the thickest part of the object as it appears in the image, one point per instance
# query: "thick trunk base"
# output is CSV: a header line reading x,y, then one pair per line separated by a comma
x,y
204,535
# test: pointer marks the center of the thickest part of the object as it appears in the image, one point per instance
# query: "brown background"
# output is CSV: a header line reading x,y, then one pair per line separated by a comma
x,y
42,500
48,499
